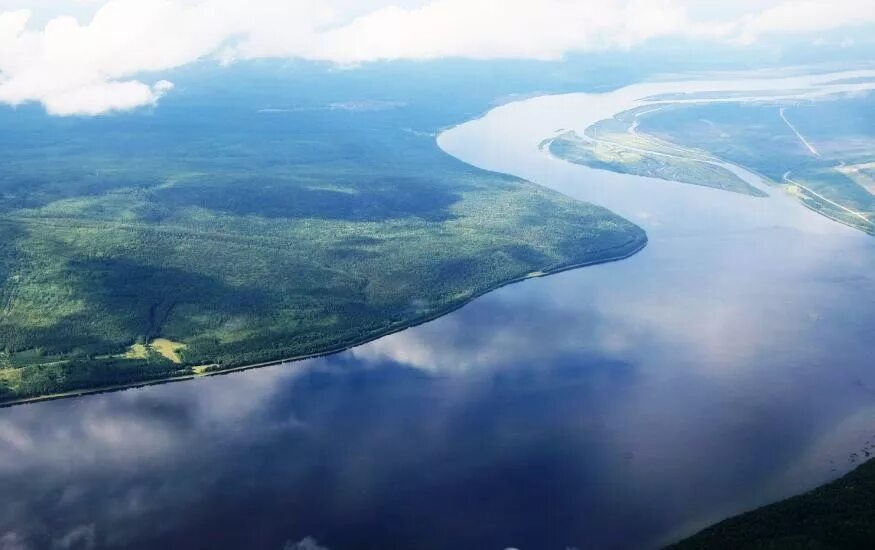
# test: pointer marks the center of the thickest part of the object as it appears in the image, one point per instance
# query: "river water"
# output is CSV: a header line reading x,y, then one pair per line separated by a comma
x,y
623,405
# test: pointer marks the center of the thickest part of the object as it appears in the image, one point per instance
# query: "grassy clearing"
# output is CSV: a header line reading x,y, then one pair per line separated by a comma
x,y
10,382
168,349
137,351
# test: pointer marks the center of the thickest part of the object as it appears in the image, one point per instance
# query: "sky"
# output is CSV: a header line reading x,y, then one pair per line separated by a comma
x,y
85,57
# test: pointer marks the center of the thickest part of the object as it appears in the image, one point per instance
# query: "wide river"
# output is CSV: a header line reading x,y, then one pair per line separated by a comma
x,y
624,405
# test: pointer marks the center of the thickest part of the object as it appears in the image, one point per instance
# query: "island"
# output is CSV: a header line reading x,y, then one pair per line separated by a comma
x,y
818,151
616,145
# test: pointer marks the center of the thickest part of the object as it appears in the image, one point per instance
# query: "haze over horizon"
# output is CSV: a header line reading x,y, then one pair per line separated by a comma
x,y
87,57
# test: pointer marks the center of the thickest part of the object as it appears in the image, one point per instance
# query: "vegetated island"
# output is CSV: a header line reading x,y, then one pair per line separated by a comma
x,y
821,152
840,514
616,145
179,243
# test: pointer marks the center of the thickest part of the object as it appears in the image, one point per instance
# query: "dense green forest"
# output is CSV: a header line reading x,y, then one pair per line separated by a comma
x,y
270,220
840,514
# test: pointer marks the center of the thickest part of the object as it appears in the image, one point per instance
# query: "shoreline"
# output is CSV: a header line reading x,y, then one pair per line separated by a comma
x,y
430,317
637,247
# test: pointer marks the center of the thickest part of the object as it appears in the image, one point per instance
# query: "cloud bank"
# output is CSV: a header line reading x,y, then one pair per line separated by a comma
x,y
86,57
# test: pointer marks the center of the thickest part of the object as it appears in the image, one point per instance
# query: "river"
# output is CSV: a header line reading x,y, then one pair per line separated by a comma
x,y
623,405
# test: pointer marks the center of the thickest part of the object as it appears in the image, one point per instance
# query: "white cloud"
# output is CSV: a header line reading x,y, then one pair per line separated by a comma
x,y
73,68
486,29
800,16
100,97
307,543
88,62
12,540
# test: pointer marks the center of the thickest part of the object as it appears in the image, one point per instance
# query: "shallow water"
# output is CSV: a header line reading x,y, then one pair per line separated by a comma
x,y
617,406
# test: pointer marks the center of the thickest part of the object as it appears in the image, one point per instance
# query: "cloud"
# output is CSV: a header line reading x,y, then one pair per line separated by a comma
x,y
12,540
76,69
486,29
82,536
101,97
307,543
801,16
90,57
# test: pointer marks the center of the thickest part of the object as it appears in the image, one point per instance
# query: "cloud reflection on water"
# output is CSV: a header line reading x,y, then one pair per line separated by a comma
x,y
578,399
612,406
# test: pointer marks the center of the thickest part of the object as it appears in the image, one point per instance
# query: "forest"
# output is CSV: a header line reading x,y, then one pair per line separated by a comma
x,y
251,225
839,514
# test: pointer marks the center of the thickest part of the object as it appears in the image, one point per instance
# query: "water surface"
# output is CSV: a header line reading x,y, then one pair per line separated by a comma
x,y
617,406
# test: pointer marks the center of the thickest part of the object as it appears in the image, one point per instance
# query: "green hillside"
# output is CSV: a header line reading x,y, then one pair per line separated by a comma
x,y
838,515
229,229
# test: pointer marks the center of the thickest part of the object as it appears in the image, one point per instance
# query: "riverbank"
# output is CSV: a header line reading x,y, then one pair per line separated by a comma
x,y
633,247
840,514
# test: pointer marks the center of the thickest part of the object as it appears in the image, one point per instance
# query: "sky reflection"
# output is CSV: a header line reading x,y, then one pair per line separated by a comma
x,y
579,409
615,406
